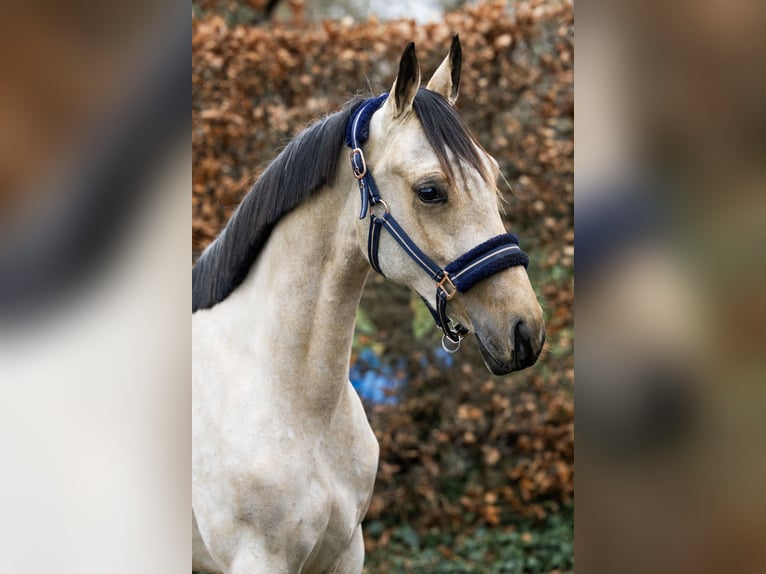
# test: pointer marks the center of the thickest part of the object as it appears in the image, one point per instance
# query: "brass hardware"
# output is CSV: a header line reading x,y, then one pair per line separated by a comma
x,y
379,202
441,285
357,174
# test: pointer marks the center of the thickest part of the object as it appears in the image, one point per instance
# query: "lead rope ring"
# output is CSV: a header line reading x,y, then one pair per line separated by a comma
x,y
446,342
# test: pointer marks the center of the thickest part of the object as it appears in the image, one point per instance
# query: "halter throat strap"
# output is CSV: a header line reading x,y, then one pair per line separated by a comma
x,y
486,259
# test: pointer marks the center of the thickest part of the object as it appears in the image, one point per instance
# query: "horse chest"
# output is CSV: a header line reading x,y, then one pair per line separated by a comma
x,y
319,484
297,484
345,465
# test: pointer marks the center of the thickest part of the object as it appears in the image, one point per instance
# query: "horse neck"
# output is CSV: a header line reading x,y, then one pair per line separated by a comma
x,y
302,297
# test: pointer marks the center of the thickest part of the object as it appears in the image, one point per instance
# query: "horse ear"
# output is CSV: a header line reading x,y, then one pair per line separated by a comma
x,y
407,82
446,78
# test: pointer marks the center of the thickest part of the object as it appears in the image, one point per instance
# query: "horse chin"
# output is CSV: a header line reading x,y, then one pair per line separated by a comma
x,y
496,366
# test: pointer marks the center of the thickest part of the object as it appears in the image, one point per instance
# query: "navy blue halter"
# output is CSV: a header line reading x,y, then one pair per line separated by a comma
x,y
484,260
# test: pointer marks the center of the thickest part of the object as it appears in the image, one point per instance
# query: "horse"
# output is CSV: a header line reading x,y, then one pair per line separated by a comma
x,y
283,458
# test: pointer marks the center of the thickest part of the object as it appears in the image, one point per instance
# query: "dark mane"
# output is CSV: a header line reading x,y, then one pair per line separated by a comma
x,y
306,165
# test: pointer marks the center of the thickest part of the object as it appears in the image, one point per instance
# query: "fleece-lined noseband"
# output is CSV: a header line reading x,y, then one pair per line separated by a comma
x,y
484,260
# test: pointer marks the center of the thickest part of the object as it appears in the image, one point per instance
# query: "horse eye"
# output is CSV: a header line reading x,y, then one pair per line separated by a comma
x,y
430,195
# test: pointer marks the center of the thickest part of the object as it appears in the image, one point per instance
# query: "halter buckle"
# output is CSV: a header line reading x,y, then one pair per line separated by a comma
x,y
360,169
449,294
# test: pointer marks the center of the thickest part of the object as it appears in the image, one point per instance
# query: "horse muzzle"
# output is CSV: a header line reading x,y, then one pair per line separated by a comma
x,y
525,346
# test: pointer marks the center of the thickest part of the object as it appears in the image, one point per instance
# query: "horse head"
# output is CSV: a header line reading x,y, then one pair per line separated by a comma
x,y
440,185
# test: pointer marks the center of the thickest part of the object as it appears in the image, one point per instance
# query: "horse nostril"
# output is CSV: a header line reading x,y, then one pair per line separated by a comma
x,y
525,355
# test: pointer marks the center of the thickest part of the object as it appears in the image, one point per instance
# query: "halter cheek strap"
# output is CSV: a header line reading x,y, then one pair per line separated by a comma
x,y
484,260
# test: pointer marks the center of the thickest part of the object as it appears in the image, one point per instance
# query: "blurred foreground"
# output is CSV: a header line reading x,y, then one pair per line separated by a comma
x,y
94,289
670,241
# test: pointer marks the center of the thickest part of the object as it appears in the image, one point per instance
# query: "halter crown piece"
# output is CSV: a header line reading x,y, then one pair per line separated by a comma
x,y
492,256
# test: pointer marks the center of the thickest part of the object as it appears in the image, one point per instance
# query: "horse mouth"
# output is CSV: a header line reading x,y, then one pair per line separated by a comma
x,y
520,358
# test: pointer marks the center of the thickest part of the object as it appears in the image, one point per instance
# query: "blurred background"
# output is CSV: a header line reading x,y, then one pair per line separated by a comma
x,y
476,472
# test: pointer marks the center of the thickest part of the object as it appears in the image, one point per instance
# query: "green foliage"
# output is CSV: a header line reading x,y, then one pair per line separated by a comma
x,y
519,548
422,321
364,324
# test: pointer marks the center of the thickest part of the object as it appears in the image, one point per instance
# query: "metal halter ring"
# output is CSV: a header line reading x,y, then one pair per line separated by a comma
x,y
446,345
357,152
379,202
